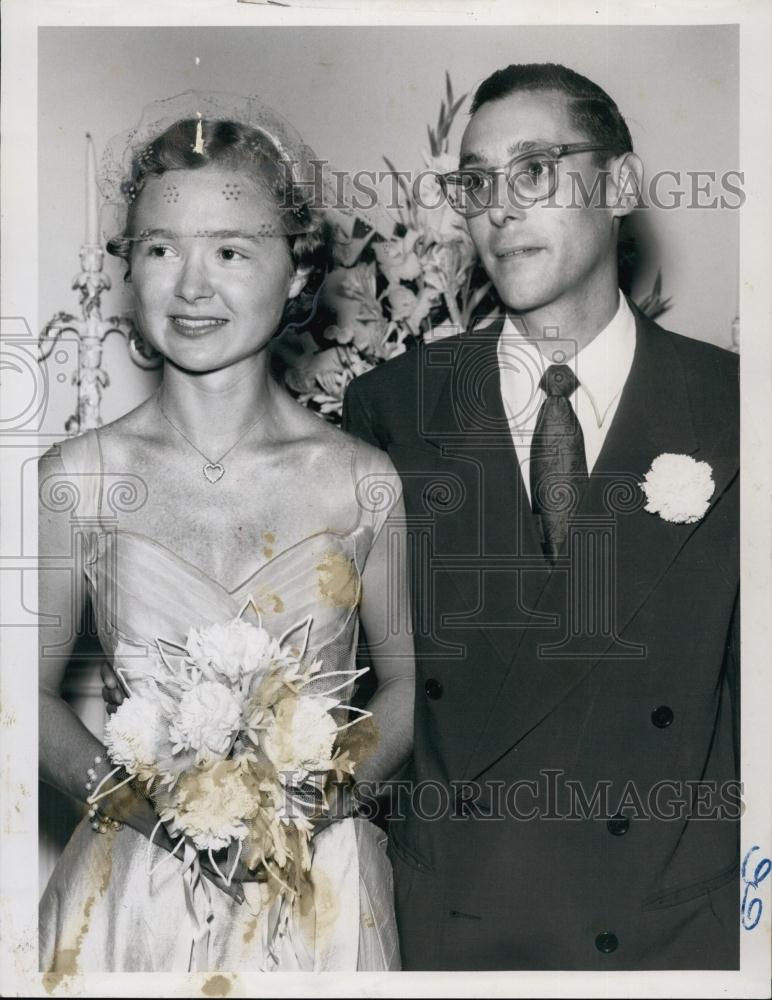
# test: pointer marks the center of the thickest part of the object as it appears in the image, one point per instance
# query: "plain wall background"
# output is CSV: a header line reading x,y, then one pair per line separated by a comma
x,y
357,93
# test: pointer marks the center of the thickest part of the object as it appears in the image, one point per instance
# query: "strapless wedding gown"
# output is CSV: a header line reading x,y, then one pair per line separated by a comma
x,y
101,910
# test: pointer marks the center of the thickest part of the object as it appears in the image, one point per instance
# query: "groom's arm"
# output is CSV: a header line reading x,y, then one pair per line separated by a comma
x,y
732,667
357,418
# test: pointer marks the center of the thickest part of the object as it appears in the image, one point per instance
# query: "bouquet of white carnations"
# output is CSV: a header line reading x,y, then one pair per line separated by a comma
x,y
235,737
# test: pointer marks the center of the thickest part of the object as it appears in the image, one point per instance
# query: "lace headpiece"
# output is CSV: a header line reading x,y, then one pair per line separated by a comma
x,y
324,191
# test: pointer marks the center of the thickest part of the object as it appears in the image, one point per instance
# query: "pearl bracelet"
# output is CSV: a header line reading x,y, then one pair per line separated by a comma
x,y
100,823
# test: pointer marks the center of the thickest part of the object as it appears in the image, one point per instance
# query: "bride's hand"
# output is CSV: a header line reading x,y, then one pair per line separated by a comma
x,y
128,805
112,692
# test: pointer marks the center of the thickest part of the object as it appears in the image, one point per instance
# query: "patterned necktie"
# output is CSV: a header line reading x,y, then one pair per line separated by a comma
x,y
558,461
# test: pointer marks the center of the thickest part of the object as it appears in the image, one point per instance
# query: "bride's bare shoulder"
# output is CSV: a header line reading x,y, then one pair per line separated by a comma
x,y
129,437
138,421
347,473
84,452
338,447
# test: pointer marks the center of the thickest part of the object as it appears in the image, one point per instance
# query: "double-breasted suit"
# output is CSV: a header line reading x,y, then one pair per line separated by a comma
x,y
574,801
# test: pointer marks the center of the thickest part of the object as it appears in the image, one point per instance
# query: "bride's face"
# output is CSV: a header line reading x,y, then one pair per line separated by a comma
x,y
210,289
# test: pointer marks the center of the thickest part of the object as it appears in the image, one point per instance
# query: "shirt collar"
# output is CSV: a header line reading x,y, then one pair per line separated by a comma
x,y
602,366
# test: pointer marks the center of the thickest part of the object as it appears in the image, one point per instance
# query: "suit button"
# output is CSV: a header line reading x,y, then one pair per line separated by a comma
x,y
606,942
662,716
618,825
433,688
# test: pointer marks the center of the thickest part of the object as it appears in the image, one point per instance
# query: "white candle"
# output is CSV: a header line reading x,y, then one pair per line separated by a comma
x,y
92,195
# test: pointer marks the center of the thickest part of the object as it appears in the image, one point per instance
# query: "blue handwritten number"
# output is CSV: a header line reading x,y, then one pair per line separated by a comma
x,y
750,912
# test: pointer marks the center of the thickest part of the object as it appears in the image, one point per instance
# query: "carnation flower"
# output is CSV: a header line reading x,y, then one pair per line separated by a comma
x,y
137,735
678,488
212,806
208,717
232,651
301,735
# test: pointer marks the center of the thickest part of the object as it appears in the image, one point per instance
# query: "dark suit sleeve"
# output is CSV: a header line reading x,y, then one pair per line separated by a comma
x,y
732,667
357,419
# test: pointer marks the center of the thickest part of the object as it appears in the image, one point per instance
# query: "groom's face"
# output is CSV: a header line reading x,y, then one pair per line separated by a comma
x,y
549,252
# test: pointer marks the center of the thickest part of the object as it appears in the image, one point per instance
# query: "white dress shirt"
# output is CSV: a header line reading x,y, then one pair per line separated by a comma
x,y
601,367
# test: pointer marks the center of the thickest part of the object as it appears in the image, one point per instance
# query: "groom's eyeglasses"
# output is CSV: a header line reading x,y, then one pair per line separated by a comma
x,y
531,177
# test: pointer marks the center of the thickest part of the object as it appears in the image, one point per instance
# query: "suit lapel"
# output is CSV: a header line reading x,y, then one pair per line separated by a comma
x,y
653,417
494,527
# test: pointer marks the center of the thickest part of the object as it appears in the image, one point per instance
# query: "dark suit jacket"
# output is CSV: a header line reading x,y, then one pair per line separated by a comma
x,y
575,803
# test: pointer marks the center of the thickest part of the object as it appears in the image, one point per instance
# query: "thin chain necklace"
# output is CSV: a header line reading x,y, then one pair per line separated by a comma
x,y
213,471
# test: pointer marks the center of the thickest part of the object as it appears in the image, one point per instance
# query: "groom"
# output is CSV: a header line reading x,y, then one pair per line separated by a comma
x,y
573,802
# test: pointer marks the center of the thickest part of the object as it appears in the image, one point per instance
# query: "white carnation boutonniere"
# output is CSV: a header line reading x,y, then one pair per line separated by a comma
x,y
678,488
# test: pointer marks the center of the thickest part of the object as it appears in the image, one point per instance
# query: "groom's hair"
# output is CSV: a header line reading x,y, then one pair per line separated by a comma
x,y
591,109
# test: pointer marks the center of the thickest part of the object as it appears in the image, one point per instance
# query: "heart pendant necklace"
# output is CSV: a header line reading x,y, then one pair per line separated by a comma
x,y
213,470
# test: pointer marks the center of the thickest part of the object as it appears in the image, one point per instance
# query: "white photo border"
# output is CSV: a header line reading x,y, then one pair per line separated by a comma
x,y
20,322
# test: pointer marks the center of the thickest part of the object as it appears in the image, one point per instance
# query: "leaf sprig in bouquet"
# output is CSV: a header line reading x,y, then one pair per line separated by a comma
x,y
237,738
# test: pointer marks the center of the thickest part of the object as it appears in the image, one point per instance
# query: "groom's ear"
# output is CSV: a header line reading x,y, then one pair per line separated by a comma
x,y
298,281
627,184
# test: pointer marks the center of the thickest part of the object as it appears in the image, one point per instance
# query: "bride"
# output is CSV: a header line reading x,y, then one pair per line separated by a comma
x,y
240,493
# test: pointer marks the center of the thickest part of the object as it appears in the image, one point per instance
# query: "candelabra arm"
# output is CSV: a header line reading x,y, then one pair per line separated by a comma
x,y
60,323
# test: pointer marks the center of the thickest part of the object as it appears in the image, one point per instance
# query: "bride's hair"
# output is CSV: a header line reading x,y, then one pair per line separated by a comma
x,y
235,146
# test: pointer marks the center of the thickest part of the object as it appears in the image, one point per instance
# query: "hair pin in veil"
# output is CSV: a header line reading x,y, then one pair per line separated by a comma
x,y
199,144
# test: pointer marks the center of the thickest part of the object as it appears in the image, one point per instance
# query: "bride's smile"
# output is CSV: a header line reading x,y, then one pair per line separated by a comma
x,y
211,268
